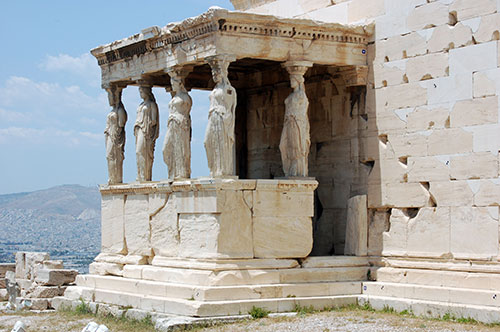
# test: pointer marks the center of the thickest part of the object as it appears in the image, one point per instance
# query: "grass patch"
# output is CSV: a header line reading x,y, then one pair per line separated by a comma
x,y
304,310
83,308
257,312
388,310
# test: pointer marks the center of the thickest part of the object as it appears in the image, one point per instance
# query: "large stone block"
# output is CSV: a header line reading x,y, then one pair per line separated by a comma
x,y
282,203
164,226
406,95
57,277
447,37
488,193
112,224
356,239
360,10
474,232
474,166
466,9
389,73
487,83
473,58
406,145
400,47
451,193
428,233
427,67
283,237
457,141
425,118
473,112
410,195
378,224
448,89
386,171
396,238
27,262
137,227
488,29
427,16
425,169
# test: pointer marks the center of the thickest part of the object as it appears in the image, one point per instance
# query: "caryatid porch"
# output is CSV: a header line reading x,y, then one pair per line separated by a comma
x,y
221,232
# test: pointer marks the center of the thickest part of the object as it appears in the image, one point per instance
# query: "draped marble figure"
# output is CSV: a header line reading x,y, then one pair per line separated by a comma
x,y
146,130
177,145
219,135
115,135
295,138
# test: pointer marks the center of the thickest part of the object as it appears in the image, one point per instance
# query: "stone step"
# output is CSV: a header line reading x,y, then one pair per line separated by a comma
x,y
436,309
433,293
206,308
244,277
454,279
212,293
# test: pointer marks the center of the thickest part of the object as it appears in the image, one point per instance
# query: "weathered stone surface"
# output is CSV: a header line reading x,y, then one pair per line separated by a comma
x,y
282,203
481,165
428,233
488,193
406,95
428,15
112,225
473,58
447,37
457,141
19,327
45,291
56,277
356,239
94,327
396,239
272,237
26,262
378,224
137,228
427,67
428,118
488,29
102,268
4,295
474,232
359,10
487,83
4,267
425,169
399,47
448,89
451,193
466,9
475,112
164,228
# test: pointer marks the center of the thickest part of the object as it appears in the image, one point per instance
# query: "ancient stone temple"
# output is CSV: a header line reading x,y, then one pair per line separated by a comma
x,y
353,151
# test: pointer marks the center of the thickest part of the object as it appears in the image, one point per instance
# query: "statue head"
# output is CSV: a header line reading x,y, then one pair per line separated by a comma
x,y
146,93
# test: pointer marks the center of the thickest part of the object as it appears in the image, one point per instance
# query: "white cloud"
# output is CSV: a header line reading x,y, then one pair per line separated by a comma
x,y
84,66
12,117
43,136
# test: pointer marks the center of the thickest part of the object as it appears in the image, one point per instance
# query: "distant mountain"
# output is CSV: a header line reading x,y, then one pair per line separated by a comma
x,y
63,220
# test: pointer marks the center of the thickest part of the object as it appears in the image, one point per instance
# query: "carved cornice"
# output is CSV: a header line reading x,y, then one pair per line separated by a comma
x,y
223,22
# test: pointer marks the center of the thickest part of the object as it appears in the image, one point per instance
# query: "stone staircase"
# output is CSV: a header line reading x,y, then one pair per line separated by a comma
x,y
318,282
467,289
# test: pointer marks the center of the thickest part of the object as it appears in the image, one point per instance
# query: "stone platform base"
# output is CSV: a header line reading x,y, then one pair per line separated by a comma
x,y
465,289
219,288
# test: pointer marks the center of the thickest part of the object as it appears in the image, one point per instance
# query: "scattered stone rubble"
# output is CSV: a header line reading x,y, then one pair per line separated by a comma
x,y
37,279
4,268
94,327
19,327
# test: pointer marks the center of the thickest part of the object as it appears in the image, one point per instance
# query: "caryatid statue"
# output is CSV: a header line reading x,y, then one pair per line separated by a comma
x,y
177,146
115,135
146,130
295,137
219,136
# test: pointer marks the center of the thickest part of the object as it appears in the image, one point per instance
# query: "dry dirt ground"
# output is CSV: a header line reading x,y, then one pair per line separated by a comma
x,y
344,320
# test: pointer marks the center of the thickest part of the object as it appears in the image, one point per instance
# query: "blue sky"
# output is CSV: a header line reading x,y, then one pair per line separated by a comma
x,y
52,109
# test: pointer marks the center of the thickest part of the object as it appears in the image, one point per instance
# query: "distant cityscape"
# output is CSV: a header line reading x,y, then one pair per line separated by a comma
x,y
63,221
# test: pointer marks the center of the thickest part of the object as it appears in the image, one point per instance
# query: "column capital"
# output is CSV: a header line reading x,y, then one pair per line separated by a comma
x,y
297,67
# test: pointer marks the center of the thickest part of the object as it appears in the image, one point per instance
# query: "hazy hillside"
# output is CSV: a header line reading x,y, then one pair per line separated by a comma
x,y
63,220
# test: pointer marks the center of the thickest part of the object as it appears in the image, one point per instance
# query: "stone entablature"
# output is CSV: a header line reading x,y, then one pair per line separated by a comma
x,y
244,35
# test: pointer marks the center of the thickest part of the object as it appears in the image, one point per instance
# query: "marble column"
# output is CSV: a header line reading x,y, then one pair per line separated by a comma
x,y
219,135
115,134
295,137
177,145
146,130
